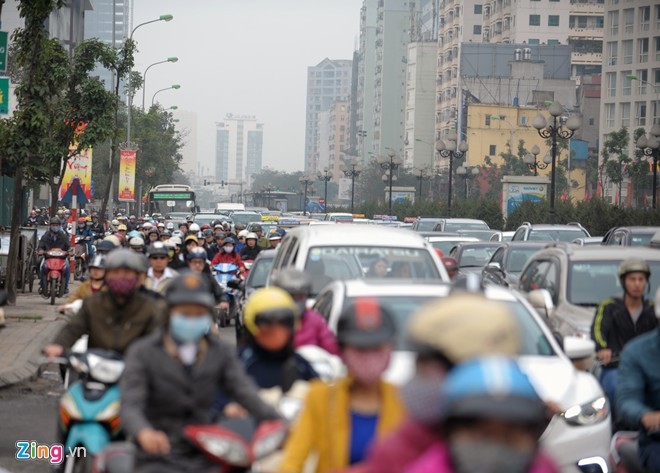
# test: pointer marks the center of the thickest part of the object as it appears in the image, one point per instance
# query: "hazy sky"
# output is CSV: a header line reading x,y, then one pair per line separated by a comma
x,y
245,57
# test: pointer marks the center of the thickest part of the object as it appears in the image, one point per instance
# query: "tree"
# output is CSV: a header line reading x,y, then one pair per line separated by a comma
x,y
512,165
615,157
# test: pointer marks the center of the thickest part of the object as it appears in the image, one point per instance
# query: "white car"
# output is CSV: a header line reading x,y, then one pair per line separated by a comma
x,y
445,243
579,435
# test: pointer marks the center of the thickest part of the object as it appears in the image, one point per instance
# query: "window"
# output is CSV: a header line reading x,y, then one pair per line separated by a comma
x,y
478,9
609,115
656,112
657,48
487,120
643,76
534,41
643,48
640,113
627,82
611,84
612,53
628,20
656,77
625,115
614,23
627,51
534,20
553,41
657,17
644,18
553,20
492,150
476,29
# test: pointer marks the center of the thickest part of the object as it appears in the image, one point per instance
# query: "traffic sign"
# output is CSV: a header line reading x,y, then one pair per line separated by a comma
x,y
3,51
4,95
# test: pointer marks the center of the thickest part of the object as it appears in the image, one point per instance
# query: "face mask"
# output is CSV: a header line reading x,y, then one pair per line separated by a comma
x,y
55,229
366,366
228,249
469,456
186,329
423,399
122,287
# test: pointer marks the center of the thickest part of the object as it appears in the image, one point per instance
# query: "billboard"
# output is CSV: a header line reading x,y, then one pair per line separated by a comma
x,y
519,192
127,161
79,166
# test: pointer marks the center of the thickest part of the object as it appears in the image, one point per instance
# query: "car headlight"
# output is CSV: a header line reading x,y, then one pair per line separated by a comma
x,y
588,414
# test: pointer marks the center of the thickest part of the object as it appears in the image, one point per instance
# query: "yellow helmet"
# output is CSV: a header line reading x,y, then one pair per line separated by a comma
x,y
269,303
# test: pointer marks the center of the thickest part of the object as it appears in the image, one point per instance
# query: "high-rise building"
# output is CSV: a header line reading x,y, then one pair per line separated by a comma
x,y
630,95
238,151
188,128
333,137
327,82
365,84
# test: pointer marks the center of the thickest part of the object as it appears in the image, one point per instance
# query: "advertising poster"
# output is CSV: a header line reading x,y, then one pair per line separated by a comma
x,y
521,192
127,161
79,166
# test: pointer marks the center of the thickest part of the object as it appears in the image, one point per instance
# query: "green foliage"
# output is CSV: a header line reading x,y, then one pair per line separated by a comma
x,y
615,157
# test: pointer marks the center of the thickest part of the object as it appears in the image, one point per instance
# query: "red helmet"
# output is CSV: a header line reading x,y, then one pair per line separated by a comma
x,y
81,220
450,263
206,226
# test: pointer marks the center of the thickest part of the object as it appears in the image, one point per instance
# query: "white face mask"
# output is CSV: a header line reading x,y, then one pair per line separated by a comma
x,y
229,249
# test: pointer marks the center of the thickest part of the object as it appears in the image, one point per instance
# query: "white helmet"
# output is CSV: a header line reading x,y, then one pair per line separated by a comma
x,y
194,228
115,222
243,233
251,236
136,241
147,225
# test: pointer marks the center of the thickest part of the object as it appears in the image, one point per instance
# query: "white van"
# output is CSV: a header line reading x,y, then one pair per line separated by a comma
x,y
226,207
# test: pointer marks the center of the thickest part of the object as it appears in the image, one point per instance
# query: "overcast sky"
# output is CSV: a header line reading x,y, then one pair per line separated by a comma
x,y
245,57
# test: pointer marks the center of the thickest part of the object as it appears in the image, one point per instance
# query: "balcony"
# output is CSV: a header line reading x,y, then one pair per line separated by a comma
x,y
591,59
586,33
580,8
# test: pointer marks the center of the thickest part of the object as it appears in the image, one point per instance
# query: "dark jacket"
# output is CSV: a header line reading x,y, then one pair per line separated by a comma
x,y
49,241
613,326
270,369
111,326
248,253
158,391
638,388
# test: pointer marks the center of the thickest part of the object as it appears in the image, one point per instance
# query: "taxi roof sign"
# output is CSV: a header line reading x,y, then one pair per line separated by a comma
x,y
270,218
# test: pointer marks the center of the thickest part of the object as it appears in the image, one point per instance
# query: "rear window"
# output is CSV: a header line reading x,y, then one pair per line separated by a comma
x,y
556,235
641,239
455,226
259,273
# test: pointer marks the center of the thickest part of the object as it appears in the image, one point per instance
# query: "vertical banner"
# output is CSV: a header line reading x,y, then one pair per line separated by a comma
x,y
127,163
79,166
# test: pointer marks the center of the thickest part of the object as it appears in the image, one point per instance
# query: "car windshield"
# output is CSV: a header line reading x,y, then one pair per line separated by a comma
x,y
331,263
245,218
455,226
445,245
205,219
475,256
591,282
556,235
259,273
534,341
425,225
518,257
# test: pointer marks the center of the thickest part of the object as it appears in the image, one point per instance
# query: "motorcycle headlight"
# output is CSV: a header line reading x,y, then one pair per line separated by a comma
x,y
588,414
268,444
104,370
229,450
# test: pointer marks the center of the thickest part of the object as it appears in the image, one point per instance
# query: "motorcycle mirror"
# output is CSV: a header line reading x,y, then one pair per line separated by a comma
x,y
235,284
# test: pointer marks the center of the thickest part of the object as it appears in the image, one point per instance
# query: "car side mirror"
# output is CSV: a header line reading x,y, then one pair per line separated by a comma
x,y
235,284
577,348
541,300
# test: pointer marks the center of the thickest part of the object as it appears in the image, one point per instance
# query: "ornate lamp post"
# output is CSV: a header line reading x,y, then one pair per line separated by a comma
x,y
305,180
467,173
389,164
144,76
533,164
422,174
449,150
352,170
651,147
325,176
554,130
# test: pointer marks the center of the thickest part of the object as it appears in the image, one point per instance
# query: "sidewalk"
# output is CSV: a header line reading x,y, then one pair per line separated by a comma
x,y
31,324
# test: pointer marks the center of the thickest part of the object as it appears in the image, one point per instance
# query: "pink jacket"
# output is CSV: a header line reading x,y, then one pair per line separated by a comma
x,y
436,460
314,331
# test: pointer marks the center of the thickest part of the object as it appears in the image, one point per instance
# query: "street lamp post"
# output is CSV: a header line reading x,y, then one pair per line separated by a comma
x,y
352,170
305,180
389,164
325,176
449,150
467,173
651,147
423,174
144,76
533,164
166,17
173,86
554,130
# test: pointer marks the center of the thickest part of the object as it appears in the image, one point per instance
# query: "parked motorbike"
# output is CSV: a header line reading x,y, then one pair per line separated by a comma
x,y
624,454
55,260
89,409
81,257
225,272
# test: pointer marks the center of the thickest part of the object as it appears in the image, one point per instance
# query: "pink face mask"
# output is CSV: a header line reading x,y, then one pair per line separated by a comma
x,y
367,366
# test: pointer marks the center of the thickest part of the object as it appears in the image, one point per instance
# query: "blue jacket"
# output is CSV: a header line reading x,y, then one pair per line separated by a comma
x,y
638,389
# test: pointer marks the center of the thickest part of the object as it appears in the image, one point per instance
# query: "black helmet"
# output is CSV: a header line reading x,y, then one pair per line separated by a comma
x,y
190,288
157,248
125,258
105,246
55,221
98,262
293,281
365,324
257,228
196,253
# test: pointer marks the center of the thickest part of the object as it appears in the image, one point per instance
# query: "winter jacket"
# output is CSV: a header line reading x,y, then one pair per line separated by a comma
x,y
314,331
84,290
613,326
437,460
638,388
231,258
324,425
270,369
250,254
49,241
160,392
112,326
160,285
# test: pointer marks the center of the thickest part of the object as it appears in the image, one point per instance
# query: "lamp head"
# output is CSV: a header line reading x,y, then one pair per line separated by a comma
x,y
547,159
166,17
440,145
452,136
573,123
555,109
463,147
461,171
536,150
539,122
642,142
475,171
451,145
172,59
354,162
654,142
529,159
655,130
385,177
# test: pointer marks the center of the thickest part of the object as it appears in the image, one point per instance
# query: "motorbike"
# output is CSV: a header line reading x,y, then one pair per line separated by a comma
x,y
225,272
89,409
624,454
55,260
81,257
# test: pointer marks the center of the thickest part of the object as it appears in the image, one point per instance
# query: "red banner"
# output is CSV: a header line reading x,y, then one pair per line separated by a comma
x,y
127,162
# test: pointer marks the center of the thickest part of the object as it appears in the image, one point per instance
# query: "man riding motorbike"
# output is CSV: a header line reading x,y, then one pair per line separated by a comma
x,y
197,262
94,284
55,238
251,250
159,275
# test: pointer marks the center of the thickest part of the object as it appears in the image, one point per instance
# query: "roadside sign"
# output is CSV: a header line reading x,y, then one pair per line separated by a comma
x,y
4,95
3,51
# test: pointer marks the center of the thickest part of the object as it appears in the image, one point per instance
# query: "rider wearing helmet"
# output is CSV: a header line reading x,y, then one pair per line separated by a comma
x,y
56,238
132,223
274,239
493,421
341,420
172,376
312,330
262,241
193,229
198,262
619,320
451,265
153,235
251,249
95,283
113,319
240,238
228,255
450,331
136,244
159,275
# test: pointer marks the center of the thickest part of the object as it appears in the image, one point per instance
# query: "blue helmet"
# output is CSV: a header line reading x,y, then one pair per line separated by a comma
x,y
197,253
492,388
229,240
